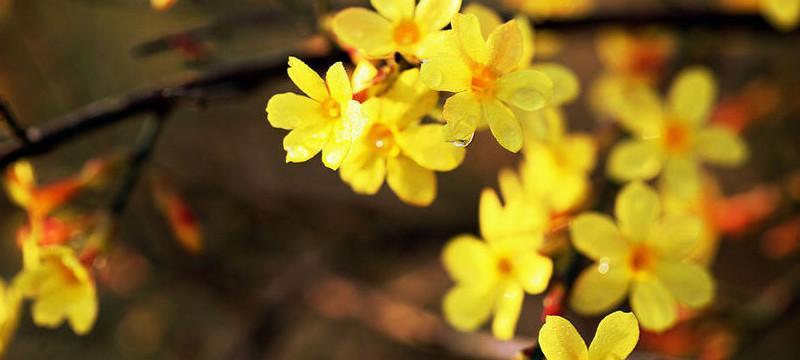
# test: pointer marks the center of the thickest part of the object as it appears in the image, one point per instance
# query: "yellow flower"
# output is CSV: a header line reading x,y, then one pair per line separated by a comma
x,y
162,5
395,146
616,337
327,120
545,9
493,274
783,14
10,302
483,76
398,26
557,165
644,254
674,136
61,288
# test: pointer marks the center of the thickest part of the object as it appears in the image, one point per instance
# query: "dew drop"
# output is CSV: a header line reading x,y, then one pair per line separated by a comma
x,y
464,142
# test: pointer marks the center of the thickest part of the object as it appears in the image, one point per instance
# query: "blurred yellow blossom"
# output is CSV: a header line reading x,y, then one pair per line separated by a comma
x,y
493,274
546,9
397,147
484,77
61,289
645,255
162,5
674,136
398,26
616,337
327,119
10,302
784,14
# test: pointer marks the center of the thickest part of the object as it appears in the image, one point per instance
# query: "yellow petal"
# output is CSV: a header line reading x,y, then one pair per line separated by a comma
x,y
338,83
425,144
681,177
720,146
596,236
634,159
528,49
507,309
408,100
466,307
532,270
600,287
570,193
395,10
303,143
516,227
83,312
505,47
560,341
469,261
566,86
692,95
289,110
412,183
20,180
307,79
690,283
338,144
616,337
677,236
468,30
653,305
462,112
637,209
435,14
529,90
365,30
579,152
784,14
487,17
364,170
510,186
446,72
435,43
491,215
636,105
503,124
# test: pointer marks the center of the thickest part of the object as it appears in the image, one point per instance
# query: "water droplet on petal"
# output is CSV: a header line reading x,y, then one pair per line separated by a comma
x,y
464,142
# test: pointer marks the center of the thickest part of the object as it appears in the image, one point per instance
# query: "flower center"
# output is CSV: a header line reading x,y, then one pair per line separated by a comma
x,y
331,108
677,137
483,81
642,259
381,138
504,266
406,33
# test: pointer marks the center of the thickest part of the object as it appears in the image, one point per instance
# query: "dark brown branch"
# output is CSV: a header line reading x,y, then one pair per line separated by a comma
x,y
11,121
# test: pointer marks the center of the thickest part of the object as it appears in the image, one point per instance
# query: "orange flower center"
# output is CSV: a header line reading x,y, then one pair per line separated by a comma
x,y
483,80
642,259
331,108
677,137
504,266
406,33
381,138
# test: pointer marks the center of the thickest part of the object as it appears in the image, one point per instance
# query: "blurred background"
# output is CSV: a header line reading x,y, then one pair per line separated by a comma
x,y
294,265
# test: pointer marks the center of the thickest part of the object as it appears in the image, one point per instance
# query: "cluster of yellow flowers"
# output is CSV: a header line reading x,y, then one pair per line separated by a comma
x,y
386,123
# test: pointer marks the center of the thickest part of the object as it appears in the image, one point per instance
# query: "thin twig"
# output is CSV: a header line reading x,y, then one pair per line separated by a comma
x,y
10,120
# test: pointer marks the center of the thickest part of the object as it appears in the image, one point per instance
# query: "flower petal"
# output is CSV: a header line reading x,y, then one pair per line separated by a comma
x,y
394,10
600,288
681,177
303,143
435,14
616,337
634,159
532,270
487,17
446,72
503,124
469,260
784,14
425,145
338,83
720,146
566,86
692,95
338,144
560,340
507,308
289,110
677,236
462,112
412,183
364,30
637,209
690,283
528,89
307,79
364,170
408,100
468,30
505,47
596,236
653,305
468,307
